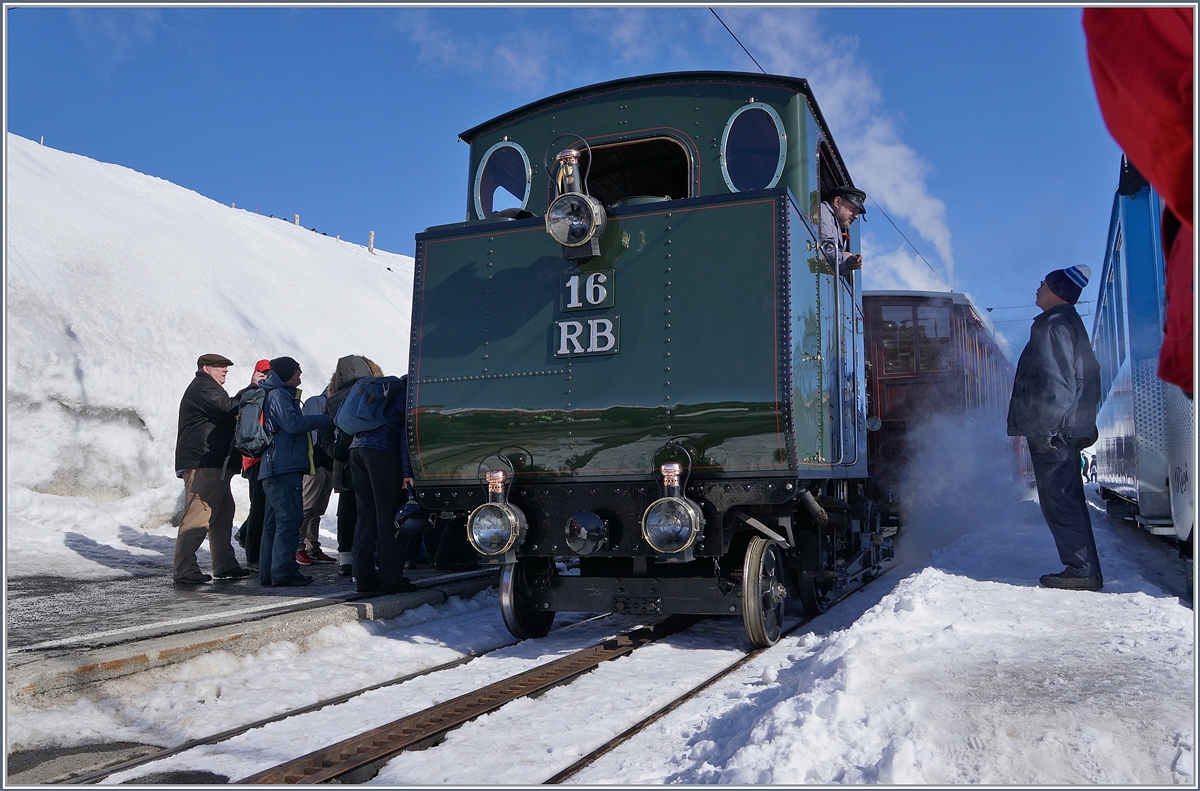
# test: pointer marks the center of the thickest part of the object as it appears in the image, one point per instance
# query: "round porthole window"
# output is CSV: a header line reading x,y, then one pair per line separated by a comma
x,y
753,148
503,179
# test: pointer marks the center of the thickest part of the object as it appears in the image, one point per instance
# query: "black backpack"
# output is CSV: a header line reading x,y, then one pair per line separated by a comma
x,y
250,438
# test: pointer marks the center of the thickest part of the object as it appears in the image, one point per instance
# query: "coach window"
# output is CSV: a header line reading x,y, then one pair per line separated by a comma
x,y
753,148
503,179
933,337
899,355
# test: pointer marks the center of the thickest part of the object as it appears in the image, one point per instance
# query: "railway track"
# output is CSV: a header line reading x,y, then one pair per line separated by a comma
x,y
359,758
133,763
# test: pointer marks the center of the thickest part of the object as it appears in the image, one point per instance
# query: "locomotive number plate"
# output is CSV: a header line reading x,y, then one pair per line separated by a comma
x,y
590,336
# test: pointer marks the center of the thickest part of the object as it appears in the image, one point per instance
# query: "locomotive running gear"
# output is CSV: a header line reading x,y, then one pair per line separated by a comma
x,y
1057,384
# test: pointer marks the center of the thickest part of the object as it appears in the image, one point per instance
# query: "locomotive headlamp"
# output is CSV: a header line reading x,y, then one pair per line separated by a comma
x,y
673,523
585,532
574,219
496,526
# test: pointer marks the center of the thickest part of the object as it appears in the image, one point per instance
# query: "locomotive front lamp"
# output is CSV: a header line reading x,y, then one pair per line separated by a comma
x,y
574,219
673,523
585,532
496,526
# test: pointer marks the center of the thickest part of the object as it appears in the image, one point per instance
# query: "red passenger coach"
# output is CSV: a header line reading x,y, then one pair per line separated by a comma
x,y
927,353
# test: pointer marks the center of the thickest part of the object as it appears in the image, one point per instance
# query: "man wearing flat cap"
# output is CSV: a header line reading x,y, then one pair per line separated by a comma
x,y
207,418
844,204
1055,394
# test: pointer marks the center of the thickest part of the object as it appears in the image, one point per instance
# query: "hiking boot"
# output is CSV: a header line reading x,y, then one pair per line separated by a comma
x,y
234,574
303,558
193,579
1066,581
294,582
346,570
320,557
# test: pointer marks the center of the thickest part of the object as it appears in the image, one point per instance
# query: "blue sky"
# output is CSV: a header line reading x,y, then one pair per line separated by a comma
x,y
976,128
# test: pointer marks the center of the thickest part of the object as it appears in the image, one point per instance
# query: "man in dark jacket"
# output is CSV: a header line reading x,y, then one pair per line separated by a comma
x,y
207,417
283,467
1055,393
381,472
349,370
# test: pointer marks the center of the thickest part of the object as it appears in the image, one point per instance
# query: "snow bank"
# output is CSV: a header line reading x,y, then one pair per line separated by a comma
x,y
115,283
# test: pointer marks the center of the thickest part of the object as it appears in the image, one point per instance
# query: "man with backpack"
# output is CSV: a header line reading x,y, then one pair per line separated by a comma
x,y
206,425
250,533
284,463
374,413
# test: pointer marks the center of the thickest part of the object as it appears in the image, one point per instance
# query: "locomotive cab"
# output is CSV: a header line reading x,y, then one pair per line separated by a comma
x,y
634,380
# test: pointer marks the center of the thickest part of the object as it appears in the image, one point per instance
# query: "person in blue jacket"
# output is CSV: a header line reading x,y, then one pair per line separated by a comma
x,y
1056,390
381,471
284,464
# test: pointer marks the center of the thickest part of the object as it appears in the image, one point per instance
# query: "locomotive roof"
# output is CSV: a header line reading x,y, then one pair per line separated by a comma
x,y
798,84
958,297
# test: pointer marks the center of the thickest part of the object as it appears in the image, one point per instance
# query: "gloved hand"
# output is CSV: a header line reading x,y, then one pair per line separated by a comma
x,y
1041,444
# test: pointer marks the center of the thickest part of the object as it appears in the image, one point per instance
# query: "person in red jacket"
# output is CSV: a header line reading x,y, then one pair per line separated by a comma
x,y
1141,60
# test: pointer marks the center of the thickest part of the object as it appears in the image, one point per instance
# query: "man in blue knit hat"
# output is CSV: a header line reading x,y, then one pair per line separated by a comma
x,y
1055,394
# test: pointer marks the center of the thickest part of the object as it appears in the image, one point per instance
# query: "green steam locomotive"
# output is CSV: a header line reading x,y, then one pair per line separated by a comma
x,y
632,371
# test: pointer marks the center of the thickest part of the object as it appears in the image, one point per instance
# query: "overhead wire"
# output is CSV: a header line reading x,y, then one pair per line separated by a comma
x,y
881,211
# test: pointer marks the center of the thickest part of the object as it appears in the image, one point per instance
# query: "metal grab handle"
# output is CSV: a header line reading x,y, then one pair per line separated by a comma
x,y
841,394
854,375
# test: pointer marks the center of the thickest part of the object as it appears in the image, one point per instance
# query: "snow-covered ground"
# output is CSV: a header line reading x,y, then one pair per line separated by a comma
x,y
115,283
955,667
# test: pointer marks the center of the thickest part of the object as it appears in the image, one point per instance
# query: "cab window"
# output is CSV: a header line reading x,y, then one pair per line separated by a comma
x,y
657,167
503,179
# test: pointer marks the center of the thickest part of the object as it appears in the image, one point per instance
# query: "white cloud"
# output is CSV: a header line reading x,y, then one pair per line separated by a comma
x,y
896,268
114,34
893,174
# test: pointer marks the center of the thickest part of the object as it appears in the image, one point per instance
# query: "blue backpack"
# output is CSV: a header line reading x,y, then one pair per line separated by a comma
x,y
363,408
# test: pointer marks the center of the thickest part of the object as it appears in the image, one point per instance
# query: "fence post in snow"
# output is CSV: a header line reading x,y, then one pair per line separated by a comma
x,y
295,219
370,241
42,140
232,205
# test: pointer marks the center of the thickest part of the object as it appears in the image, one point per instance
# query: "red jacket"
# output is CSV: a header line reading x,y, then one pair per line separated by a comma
x,y
1141,60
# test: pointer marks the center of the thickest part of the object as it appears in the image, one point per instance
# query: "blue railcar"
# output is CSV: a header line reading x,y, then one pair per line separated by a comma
x,y
1144,455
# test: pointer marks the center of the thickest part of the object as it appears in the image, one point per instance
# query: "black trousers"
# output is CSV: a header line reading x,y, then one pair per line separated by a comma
x,y
254,522
378,494
1064,505
347,517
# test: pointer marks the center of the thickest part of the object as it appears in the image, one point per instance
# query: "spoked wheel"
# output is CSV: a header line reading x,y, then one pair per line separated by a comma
x,y
763,592
816,592
521,614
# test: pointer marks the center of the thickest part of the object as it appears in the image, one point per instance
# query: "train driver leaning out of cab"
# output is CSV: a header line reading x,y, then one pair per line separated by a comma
x,y
837,213
1056,390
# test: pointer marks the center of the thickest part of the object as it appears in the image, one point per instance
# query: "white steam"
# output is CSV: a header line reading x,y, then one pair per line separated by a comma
x,y
961,473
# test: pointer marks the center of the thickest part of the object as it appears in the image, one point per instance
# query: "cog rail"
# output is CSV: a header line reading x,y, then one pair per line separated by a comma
x,y
359,758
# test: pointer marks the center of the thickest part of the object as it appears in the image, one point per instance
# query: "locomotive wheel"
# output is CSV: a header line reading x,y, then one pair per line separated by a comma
x,y
763,592
521,615
815,592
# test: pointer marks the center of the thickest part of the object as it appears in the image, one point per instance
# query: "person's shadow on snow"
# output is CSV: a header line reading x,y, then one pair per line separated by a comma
x,y
118,557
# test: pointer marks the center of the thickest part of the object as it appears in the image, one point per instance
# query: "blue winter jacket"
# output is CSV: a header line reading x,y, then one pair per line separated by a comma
x,y
391,435
291,445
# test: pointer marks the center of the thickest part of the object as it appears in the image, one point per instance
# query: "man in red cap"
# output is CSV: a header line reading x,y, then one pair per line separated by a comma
x,y
207,418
